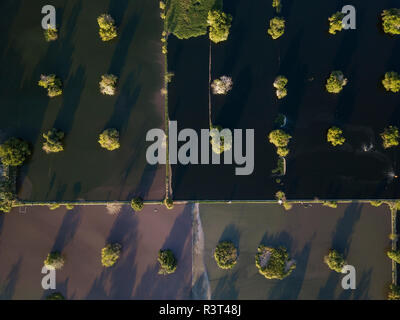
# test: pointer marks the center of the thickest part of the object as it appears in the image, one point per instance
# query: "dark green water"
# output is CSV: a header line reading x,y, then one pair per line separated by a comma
x,y
79,58
306,54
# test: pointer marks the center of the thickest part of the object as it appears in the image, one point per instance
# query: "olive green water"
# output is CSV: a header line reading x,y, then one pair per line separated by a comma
x,y
79,58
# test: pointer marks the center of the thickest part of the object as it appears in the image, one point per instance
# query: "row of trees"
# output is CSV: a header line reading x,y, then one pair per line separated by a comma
x,y
390,137
107,29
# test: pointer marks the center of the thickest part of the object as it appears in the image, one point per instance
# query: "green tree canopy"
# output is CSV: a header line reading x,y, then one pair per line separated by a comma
x,y
226,255
220,24
7,197
336,82
110,254
108,30
336,22
53,141
108,84
137,204
14,152
54,261
391,21
334,260
55,296
280,139
390,137
52,84
335,136
392,81
276,27
51,34
188,18
109,139
280,86
167,262
274,263
394,255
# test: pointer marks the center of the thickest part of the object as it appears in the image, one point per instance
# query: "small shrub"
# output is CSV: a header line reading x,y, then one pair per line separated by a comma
x,y
55,296
336,82
280,86
274,263
50,34
276,27
225,255
392,81
277,5
330,204
108,84
222,85
287,206
391,21
54,261
109,139
169,203
108,30
167,262
53,141
54,206
14,152
394,292
168,77
334,260
336,22
394,255
69,207
393,236
52,84
137,204
110,254
377,203
7,197
335,136
390,137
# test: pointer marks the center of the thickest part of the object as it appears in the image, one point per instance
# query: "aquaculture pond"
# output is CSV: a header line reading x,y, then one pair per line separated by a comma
x,y
306,54
360,232
79,58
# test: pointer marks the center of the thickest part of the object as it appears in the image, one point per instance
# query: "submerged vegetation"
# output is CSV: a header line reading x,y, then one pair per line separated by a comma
x,y
167,262
53,141
390,137
52,84
110,254
392,81
276,27
109,139
222,85
280,86
108,30
335,136
225,255
14,152
274,263
336,22
334,260
187,18
336,82
391,21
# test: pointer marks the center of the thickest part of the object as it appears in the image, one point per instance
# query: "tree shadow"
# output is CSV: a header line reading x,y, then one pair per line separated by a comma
x,y
226,288
231,233
67,230
8,289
